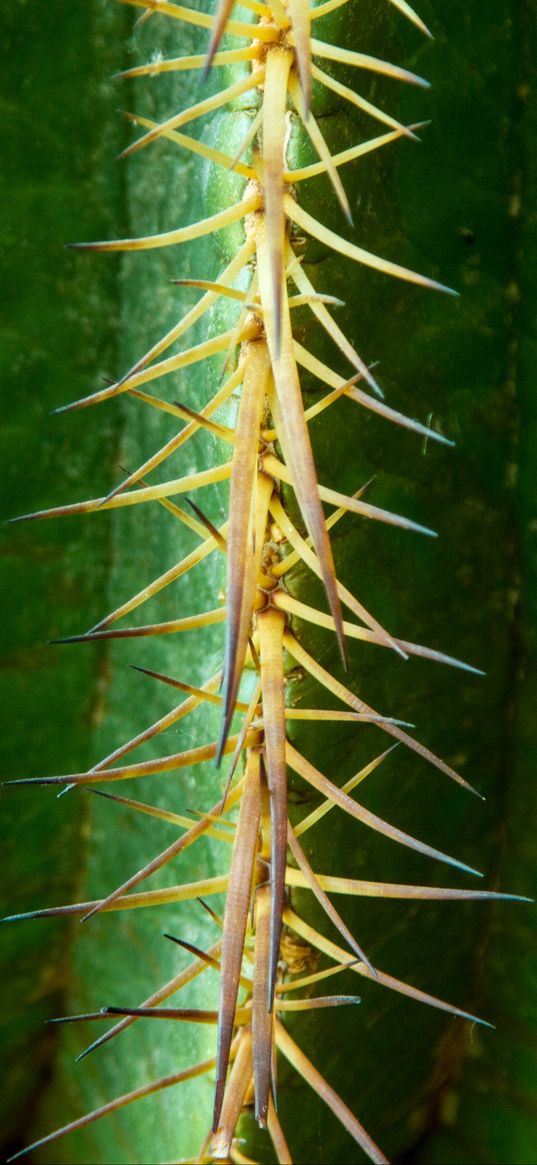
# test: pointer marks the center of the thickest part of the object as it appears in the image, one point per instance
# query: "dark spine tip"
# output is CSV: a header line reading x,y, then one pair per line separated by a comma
x,y
87,1051
343,649
218,1102
68,408
221,745
86,637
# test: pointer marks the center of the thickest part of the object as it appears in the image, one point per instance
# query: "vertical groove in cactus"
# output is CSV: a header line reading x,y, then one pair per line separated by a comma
x,y
392,588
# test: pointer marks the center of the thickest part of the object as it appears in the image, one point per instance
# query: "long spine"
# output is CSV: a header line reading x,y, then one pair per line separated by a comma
x,y
261,544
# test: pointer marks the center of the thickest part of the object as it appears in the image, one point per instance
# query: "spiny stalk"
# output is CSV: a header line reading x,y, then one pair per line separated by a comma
x,y
261,356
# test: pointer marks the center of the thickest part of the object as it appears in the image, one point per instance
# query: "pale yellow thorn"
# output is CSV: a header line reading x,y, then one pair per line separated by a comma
x,y
277,1136
199,110
328,6
203,20
310,980
279,13
207,226
317,814
352,701
296,301
320,1086
165,992
231,826
315,410
335,381
235,1156
353,504
304,284
338,954
310,558
412,16
226,277
220,289
351,251
274,132
362,61
300,13
288,411
145,374
175,572
193,426
184,892
177,64
294,261
329,713
177,512
352,153
328,400
218,834
223,432
311,297
375,513
320,145
280,568
325,945
173,626
197,147
193,355
244,329
312,1003
135,771
264,488
357,99
187,519
139,900
247,140
149,493
394,891
128,1098
300,610
245,727
199,695
312,615
332,885
178,713
254,6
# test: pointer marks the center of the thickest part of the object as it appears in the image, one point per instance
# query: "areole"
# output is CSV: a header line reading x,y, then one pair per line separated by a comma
x,y
275,533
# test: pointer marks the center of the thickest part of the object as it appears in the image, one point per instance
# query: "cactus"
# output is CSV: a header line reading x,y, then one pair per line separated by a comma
x,y
284,619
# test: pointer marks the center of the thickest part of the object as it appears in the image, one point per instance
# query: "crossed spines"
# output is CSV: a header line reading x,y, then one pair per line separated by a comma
x,y
270,445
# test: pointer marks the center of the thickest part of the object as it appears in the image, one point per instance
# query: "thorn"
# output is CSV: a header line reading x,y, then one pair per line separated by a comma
x,y
71,639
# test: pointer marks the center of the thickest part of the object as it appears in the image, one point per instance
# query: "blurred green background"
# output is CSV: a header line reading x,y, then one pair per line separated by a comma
x,y
460,207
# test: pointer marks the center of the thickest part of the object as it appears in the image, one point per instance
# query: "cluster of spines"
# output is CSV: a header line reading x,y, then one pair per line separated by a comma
x,y
261,544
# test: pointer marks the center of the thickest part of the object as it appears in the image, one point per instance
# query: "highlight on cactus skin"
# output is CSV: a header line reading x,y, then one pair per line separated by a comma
x,y
278,64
